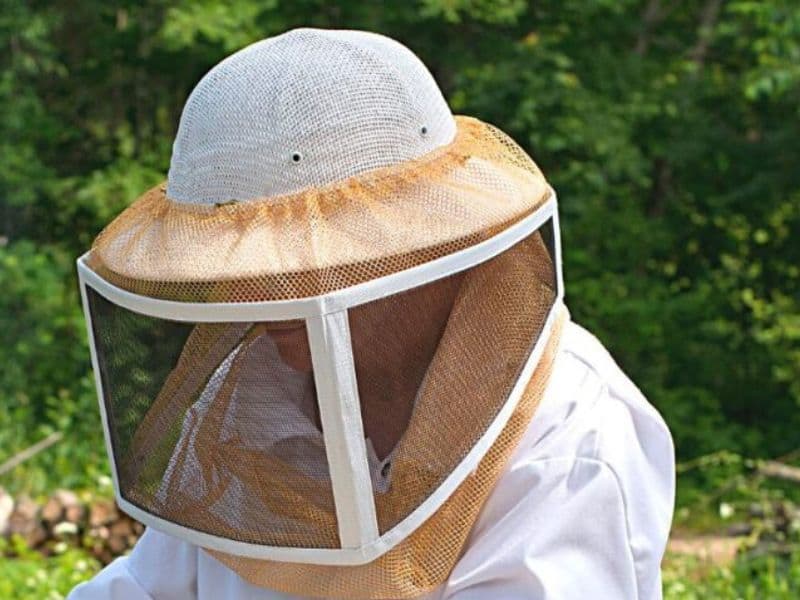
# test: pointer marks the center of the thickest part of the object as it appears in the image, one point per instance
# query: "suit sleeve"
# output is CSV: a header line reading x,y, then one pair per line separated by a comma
x,y
562,535
589,519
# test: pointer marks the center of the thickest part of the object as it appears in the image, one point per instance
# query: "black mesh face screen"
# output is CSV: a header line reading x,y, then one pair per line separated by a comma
x,y
548,233
135,358
215,426
436,364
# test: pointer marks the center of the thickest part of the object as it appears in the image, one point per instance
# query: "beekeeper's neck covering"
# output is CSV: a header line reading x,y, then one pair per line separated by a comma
x,y
318,344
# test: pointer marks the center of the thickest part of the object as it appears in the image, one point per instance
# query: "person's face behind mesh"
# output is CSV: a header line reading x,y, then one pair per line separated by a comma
x,y
394,341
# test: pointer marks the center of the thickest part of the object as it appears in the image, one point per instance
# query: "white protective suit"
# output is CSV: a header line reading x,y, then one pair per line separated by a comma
x,y
583,509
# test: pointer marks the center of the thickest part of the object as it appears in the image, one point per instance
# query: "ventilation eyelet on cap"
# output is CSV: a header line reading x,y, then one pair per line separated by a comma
x,y
296,157
424,130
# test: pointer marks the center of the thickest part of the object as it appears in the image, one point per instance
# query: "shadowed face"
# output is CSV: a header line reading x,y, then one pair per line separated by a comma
x,y
394,340
291,339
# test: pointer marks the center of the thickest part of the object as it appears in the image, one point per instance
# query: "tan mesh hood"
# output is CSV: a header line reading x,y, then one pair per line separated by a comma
x,y
327,238
424,560
498,311
317,346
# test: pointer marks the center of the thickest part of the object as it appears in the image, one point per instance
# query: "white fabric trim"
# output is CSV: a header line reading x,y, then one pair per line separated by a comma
x,y
98,383
557,254
301,308
403,529
328,330
621,543
340,413
381,545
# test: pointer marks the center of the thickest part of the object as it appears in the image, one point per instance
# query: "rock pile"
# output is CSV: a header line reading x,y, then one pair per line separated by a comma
x,y
96,525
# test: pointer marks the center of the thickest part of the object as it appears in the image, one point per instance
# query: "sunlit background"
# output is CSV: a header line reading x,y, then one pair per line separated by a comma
x,y
669,128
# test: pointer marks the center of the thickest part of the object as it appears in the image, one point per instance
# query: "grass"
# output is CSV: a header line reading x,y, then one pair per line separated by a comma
x,y
31,576
761,578
28,575
711,498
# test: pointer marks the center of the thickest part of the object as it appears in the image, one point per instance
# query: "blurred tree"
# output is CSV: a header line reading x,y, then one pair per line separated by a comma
x,y
669,129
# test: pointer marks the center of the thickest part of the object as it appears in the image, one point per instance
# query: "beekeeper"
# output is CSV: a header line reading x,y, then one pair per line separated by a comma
x,y
334,361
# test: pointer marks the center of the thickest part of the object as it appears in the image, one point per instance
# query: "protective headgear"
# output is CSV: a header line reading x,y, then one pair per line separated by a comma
x,y
318,344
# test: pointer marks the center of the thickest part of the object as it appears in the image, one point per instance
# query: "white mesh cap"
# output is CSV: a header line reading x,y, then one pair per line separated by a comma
x,y
305,108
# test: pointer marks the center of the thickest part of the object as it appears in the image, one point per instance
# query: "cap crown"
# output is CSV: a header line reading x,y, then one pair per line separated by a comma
x,y
303,109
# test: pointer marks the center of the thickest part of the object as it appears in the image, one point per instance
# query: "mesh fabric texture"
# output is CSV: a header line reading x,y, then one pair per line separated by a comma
x,y
212,428
303,165
423,560
304,109
325,238
186,416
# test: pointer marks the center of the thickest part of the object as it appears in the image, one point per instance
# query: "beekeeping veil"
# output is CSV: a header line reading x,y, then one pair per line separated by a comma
x,y
318,343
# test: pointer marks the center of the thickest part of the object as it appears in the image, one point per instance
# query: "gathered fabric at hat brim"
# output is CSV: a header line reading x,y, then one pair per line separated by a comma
x,y
326,238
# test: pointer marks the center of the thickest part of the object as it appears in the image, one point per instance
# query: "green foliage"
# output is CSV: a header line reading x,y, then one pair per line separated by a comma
x,y
46,383
679,197
669,129
31,576
762,578
724,488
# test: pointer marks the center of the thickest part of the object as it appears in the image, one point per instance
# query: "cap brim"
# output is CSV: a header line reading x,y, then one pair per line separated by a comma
x,y
326,238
